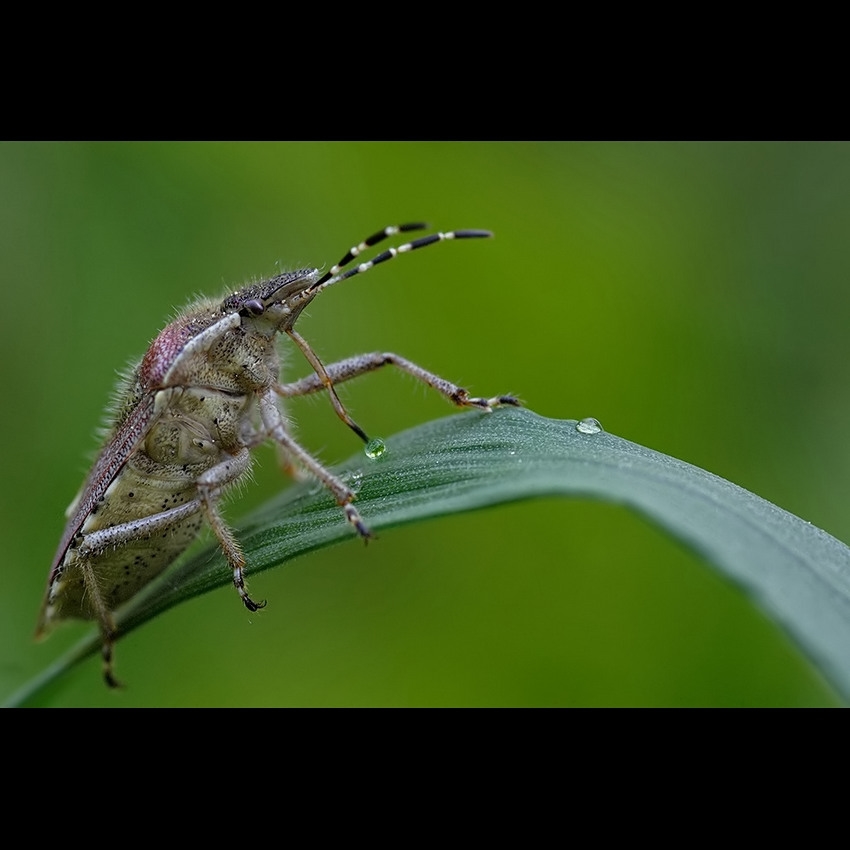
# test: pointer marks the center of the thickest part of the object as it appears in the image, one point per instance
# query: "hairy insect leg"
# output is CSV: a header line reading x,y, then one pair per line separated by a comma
x,y
285,460
288,464
96,542
108,631
273,422
210,485
352,367
327,382
232,552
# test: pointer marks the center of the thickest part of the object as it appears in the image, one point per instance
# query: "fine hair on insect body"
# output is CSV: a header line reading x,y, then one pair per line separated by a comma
x,y
206,393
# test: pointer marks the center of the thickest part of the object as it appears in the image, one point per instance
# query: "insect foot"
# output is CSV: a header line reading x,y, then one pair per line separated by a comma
x,y
463,400
183,426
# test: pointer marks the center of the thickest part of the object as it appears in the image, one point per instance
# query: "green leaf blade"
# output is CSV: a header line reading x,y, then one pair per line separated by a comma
x,y
796,573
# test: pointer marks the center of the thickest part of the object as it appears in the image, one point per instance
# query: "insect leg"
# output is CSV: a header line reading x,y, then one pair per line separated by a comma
x,y
273,422
327,382
210,485
352,367
108,632
96,542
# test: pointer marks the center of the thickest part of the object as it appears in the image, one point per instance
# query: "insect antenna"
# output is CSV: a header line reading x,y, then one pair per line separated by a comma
x,y
333,275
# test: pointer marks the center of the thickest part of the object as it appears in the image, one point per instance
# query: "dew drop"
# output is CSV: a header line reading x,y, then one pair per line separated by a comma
x,y
352,478
374,449
588,426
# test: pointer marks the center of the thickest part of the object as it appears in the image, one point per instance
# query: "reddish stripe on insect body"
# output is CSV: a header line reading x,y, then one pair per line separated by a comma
x,y
164,349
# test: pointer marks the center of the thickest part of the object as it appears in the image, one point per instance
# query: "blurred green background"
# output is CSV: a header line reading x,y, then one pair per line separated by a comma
x,y
693,297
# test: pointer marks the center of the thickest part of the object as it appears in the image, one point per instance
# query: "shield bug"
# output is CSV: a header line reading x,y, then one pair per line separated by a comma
x,y
183,425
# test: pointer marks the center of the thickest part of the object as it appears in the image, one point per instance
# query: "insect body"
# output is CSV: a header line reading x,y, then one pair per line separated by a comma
x,y
185,421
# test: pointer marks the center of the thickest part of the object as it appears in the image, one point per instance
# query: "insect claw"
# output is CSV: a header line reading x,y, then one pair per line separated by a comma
x,y
365,532
253,606
513,401
462,399
487,404
106,652
239,583
353,516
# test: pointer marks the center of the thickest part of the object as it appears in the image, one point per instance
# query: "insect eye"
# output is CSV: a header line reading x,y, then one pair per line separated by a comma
x,y
252,307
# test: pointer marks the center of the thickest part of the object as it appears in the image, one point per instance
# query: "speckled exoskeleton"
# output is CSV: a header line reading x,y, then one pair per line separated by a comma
x,y
183,425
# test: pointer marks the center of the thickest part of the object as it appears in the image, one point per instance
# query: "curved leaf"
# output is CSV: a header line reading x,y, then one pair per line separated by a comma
x,y
796,573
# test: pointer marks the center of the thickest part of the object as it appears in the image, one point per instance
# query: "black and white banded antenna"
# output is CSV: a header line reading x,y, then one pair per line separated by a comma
x,y
335,274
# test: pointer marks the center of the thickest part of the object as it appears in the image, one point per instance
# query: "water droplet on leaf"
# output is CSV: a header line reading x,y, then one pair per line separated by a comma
x,y
588,426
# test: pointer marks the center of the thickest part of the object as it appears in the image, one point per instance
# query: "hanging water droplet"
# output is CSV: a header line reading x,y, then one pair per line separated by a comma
x,y
588,426
375,448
